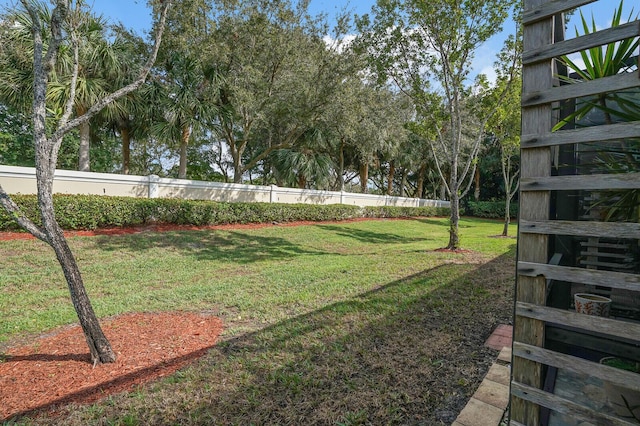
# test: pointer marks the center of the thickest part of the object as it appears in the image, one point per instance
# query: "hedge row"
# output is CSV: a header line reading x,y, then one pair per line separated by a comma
x,y
94,211
490,209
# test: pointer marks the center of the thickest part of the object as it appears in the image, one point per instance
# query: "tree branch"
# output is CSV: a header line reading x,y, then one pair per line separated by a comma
x,y
100,104
24,222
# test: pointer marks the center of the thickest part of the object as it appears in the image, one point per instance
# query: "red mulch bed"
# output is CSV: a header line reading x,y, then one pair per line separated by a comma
x,y
6,236
57,369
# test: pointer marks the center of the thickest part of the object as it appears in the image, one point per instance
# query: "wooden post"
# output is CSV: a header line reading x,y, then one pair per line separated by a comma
x,y
535,162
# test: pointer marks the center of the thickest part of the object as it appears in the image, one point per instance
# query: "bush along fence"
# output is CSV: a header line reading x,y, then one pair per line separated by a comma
x,y
490,209
22,180
94,211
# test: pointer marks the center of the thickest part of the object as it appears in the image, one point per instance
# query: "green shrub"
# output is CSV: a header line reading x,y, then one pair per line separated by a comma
x,y
490,209
94,211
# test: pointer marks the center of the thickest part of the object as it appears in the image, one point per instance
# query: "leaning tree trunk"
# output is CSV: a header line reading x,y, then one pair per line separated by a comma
x,y
99,347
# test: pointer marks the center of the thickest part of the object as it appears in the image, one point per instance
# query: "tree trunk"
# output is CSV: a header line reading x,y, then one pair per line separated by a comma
x,y
454,239
476,192
507,218
184,142
421,175
392,172
126,149
99,347
237,173
83,151
364,177
341,168
403,181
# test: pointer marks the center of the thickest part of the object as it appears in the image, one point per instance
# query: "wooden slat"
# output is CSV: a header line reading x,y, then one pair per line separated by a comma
x,y
599,38
551,8
613,83
566,407
602,133
620,377
533,206
585,182
592,341
581,275
612,327
583,229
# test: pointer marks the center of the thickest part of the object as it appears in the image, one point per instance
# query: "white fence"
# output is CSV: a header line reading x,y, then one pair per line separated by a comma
x,y
22,180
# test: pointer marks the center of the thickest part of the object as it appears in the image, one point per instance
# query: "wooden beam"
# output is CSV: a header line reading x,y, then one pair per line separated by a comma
x,y
612,327
599,38
604,133
620,377
613,83
581,182
581,228
550,9
581,275
534,206
566,407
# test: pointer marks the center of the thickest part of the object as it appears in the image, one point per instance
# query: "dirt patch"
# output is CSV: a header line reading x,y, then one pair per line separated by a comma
x,y
56,369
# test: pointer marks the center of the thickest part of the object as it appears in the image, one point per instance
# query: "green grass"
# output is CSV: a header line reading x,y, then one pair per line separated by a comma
x,y
292,269
355,323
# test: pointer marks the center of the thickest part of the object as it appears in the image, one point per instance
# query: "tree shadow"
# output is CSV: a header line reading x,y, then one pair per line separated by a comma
x,y
83,357
369,237
209,245
409,352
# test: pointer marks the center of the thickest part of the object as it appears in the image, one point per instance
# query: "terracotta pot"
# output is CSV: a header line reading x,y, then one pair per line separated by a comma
x,y
592,304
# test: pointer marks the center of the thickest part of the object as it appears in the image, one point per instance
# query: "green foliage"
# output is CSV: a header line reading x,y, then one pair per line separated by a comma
x,y
599,62
396,212
491,209
92,211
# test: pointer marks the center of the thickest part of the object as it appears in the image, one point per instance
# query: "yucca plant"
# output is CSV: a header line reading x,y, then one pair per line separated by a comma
x,y
599,62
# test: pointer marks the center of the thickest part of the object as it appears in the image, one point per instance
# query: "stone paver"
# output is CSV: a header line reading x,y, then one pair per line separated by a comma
x,y
505,354
478,413
499,374
493,393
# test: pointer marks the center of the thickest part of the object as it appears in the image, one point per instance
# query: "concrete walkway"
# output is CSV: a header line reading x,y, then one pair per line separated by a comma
x,y
488,404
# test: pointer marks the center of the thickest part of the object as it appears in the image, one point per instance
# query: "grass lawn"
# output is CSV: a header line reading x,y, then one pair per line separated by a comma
x,y
347,324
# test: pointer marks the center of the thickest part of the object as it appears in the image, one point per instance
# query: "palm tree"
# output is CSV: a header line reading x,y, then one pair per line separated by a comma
x,y
189,101
101,66
128,117
99,61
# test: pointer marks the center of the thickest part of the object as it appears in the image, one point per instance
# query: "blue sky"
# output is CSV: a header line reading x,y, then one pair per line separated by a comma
x,y
135,14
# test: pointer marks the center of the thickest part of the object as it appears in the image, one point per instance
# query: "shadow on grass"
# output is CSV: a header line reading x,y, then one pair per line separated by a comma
x,y
233,246
410,352
368,237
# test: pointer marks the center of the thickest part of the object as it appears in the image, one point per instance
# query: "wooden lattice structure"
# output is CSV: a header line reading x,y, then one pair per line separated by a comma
x,y
566,243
